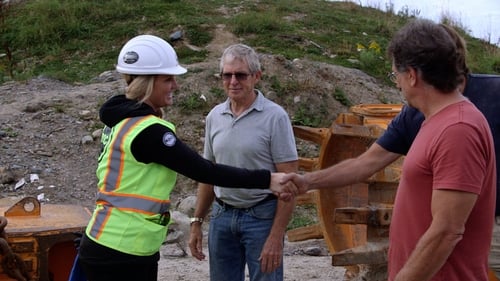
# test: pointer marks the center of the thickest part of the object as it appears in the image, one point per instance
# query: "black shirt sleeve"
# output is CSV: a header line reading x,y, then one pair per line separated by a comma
x,y
159,144
402,131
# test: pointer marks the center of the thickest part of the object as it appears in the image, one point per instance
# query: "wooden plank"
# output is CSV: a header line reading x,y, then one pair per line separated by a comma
x,y
349,118
306,232
382,193
345,142
315,135
372,216
308,164
382,111
307,198
491,275
370,253
52,219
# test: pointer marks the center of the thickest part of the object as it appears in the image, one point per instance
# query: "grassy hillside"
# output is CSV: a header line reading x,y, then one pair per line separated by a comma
x,y
76,40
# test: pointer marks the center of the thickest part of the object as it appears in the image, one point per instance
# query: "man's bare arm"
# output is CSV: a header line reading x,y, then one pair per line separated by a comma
x,y
272,252
347,172
205,197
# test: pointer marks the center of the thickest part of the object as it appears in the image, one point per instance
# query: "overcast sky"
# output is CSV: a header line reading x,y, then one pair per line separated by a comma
x,y
480,17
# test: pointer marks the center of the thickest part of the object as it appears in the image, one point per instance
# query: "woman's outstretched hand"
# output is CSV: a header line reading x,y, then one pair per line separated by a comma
x,y
282,188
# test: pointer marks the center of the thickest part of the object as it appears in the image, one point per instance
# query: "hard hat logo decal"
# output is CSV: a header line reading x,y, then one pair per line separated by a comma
x,y
130,57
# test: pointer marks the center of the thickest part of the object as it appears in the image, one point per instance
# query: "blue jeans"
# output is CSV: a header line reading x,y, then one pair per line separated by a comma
x,y
236,238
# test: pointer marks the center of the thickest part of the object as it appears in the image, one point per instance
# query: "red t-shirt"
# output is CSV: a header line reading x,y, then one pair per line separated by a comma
x,y
453,150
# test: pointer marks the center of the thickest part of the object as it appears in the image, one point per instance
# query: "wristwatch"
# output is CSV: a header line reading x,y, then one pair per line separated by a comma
x,y
196,219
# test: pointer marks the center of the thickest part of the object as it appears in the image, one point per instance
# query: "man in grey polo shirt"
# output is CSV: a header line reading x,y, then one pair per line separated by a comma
x,y
247,227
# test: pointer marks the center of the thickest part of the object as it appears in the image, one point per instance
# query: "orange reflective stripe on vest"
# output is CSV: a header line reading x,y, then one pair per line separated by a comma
x,y
109,195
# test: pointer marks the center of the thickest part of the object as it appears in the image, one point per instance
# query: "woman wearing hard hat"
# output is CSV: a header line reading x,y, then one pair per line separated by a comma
x,y
137,168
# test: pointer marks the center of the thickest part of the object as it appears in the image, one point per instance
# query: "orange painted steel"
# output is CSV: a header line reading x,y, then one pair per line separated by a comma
x,y
42,235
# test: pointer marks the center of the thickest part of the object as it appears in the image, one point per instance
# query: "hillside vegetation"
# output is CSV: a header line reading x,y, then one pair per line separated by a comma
x,y
75,41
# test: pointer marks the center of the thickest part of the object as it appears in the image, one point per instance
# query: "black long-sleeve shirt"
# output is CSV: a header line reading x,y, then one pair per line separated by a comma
x,y
148,147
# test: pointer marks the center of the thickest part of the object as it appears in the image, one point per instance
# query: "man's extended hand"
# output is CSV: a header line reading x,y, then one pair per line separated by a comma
x,y
299,182
284,190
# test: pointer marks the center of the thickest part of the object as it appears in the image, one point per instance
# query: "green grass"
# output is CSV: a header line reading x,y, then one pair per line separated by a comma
x,y
192,102
75,41
303,215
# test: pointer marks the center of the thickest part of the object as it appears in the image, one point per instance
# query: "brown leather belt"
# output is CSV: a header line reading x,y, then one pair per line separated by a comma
x,y
229,206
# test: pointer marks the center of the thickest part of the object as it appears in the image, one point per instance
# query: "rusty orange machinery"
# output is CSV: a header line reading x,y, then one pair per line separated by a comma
x,y
353,219
39,244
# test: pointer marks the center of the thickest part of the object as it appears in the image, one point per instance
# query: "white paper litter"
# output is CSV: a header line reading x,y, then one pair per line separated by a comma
x,y
19,184
33,177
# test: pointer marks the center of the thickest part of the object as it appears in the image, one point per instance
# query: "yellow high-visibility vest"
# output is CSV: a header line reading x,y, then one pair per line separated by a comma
x,y
133,199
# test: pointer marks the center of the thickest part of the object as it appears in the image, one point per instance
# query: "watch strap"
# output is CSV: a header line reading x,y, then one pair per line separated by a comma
x,y
196,219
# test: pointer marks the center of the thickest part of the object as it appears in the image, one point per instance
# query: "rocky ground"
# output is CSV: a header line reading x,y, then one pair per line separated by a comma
x,y
49,136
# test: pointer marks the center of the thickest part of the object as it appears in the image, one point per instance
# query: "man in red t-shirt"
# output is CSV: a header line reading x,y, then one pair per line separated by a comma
x,y
443,213
444,208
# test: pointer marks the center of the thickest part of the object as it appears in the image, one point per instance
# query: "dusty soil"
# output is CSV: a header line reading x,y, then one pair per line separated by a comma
x,y
51,129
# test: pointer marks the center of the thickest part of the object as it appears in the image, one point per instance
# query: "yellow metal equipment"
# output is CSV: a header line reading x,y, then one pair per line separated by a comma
x,y
39,244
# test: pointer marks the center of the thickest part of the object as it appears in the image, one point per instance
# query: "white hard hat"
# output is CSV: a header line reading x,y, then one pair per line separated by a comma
x,y
148,55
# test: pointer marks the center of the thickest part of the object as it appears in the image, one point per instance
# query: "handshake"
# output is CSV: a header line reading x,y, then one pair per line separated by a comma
x,y
287,186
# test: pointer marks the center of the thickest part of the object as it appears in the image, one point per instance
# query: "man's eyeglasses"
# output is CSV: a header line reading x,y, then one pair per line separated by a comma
x,y
240,76
392,76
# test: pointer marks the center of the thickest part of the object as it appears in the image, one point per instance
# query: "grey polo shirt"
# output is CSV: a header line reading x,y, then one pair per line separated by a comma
x,y
257,139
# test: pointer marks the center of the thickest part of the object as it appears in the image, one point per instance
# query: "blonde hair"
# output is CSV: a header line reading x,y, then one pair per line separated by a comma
x,y
139,87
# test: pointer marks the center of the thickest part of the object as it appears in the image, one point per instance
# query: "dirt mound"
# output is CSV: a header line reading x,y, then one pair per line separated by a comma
x,y
51,129
47,126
